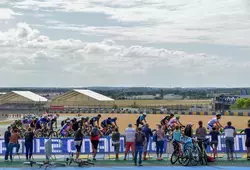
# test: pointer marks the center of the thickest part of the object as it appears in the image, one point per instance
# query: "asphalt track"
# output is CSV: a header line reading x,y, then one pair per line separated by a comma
x,y
147,168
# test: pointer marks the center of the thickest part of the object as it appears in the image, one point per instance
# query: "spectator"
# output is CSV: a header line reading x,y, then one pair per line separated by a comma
x,y
29,136
177,139
148,133
214,140
247,132
129,140
116,142
7,135
13,143
201,133
139,142
95,136
78,142
159,142
188,131
230,133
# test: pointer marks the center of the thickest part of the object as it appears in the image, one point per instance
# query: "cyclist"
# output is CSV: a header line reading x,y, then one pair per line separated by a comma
x,y
95,119
108,122
175,121
65,129
44,120
166,119
214,122
141,119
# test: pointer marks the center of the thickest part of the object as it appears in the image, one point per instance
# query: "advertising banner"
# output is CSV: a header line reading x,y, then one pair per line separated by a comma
x,y
66,145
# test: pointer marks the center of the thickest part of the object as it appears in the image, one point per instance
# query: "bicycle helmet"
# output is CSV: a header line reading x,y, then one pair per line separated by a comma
x,y
87,118
115,118
218,115
177,117
144,114
99,115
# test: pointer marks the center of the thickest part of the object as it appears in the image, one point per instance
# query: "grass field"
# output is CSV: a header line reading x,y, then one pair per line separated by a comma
x,y
127,103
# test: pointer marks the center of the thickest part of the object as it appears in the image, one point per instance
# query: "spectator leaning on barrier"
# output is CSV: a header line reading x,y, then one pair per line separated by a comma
x,y
78,142
214,140
159,142
129,140
188,131
7,135
201,133
13,143
148,133
139,142
28,137
95,137
116,142
247,132
230,134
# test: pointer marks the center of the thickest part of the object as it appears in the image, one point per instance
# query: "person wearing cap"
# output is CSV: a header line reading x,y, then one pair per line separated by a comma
x,y
129,139
214,123
141,120
148,133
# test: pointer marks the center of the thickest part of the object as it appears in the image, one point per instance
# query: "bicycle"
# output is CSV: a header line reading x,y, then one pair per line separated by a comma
x,y
80,162
183,155
45,164
204,144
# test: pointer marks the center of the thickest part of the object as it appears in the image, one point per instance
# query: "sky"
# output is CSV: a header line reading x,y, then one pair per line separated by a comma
x,y
156,43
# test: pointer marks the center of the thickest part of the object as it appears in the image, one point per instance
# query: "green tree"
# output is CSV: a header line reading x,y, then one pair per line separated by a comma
x,y
239,103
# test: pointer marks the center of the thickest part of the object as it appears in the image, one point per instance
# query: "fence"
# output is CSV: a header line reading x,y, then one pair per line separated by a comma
x,y
66,145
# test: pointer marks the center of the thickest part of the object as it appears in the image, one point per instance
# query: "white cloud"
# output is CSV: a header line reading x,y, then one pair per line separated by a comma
x,y
203,21
6,14
31,59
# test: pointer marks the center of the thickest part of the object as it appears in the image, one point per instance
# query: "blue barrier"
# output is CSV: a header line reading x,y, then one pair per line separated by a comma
x,y
66,145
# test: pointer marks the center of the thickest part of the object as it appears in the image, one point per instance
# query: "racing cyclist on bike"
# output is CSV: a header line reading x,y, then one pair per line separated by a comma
x,y
166,119
141,119
65,131
95,119
174,122
109,122
214,123
42,121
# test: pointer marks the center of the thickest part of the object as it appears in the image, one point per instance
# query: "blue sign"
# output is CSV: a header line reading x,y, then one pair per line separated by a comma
x,y
66,145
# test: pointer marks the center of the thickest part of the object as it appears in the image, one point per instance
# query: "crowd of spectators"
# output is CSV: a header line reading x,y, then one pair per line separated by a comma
x,y
136,140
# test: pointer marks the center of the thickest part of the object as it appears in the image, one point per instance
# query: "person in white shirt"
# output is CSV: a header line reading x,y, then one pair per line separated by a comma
x,y
214,123
129,140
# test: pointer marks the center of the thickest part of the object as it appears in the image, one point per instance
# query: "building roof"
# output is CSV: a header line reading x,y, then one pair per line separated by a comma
x,y
26,94
94,95
30,95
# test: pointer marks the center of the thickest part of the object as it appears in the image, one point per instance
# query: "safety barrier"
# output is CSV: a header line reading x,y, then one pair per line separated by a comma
x,y
66,145
148,112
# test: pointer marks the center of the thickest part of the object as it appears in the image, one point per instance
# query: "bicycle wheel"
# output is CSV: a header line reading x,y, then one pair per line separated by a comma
x,y
174,157
186,157
196,155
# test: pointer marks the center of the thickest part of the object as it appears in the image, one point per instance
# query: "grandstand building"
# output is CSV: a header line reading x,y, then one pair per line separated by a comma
x,y
21,102
81,99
